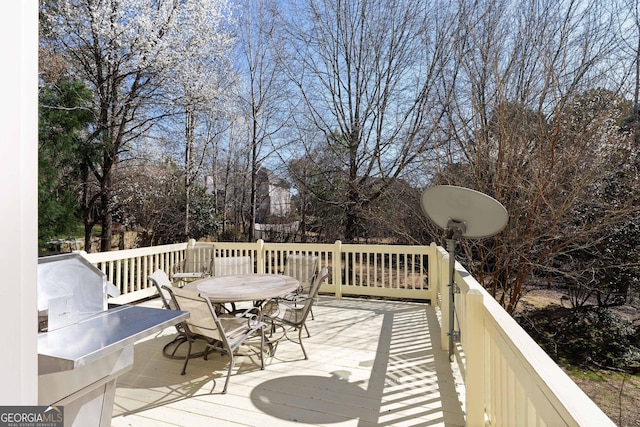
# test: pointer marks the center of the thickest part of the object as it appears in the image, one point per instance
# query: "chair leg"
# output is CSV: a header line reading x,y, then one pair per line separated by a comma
x,y
177,342
186,359
262,348
302,346
231,363
271,348
180,339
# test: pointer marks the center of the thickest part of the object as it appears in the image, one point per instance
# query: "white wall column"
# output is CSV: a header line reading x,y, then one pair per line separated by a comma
x,y
19,201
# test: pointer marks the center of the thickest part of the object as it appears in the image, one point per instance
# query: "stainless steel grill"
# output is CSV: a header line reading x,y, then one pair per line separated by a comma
x,y
83,345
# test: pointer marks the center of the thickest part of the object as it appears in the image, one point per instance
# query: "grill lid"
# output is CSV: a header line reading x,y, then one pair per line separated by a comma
x,y
70,289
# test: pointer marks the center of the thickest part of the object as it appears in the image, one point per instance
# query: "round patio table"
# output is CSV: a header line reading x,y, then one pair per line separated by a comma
x,y
243,287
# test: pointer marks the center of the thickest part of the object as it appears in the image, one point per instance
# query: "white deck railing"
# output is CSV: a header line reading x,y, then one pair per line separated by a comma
x,y
509,379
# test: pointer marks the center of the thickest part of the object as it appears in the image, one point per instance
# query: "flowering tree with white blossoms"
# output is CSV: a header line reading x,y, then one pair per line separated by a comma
x,y
201,84
127,52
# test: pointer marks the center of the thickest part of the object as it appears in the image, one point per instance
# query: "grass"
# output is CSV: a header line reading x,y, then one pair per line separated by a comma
x,y
616,393
77,233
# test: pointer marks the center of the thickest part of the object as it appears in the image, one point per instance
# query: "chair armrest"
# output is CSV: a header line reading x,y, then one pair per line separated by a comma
x,y
234,325
281,304
176,268
250,312
299,298
271,308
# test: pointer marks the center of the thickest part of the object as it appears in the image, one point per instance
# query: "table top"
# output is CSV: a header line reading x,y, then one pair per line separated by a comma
x,y
243,287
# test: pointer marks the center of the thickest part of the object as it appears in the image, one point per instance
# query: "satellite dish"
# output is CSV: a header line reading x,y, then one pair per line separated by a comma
x,y
448,206
461,213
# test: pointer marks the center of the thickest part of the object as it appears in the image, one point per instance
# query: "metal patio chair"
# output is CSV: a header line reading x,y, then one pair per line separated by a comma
x,y
161,281
196,263
226,266
287,315
304,268
226,333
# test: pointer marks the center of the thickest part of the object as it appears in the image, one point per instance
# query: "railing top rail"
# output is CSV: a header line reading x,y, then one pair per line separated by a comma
x,y
296,246
390,249
132,253
238,245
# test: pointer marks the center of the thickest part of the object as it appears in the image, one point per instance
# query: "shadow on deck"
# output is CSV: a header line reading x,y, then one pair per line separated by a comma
x,y
371,363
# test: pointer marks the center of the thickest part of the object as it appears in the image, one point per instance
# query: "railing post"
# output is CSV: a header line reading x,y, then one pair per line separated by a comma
x,y
433,273
260,255
336,261
444,301
473,344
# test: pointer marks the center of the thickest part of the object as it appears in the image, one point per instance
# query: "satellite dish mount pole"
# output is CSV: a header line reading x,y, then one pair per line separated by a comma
x,y
455,229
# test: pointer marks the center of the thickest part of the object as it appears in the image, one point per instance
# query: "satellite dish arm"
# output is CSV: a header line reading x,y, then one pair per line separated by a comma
x,y
455,229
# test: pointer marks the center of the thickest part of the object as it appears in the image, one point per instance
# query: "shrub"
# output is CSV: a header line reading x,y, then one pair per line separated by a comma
x,y
588,336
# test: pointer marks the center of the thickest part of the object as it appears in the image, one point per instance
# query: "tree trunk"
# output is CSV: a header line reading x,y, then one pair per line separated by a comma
x,y
88,229
188,164
87,210
254,189
107,218
107,228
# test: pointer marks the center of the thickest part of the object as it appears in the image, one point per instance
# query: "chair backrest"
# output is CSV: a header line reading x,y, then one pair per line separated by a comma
x,y
202,317
225,266
197,258
303,268
160,280
317,282
313,291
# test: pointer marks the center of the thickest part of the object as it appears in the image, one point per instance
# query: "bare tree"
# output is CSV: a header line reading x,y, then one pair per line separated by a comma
x,y
528,133
370,76
230,176
628,33
264,94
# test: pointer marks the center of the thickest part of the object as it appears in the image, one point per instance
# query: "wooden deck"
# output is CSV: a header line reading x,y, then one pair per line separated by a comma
x,y
371,363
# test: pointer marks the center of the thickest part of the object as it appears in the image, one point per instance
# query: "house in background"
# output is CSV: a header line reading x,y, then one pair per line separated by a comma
x,y
273,211
273,205
273,198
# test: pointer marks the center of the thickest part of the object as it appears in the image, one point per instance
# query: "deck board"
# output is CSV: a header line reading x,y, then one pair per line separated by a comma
x,y
371,363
